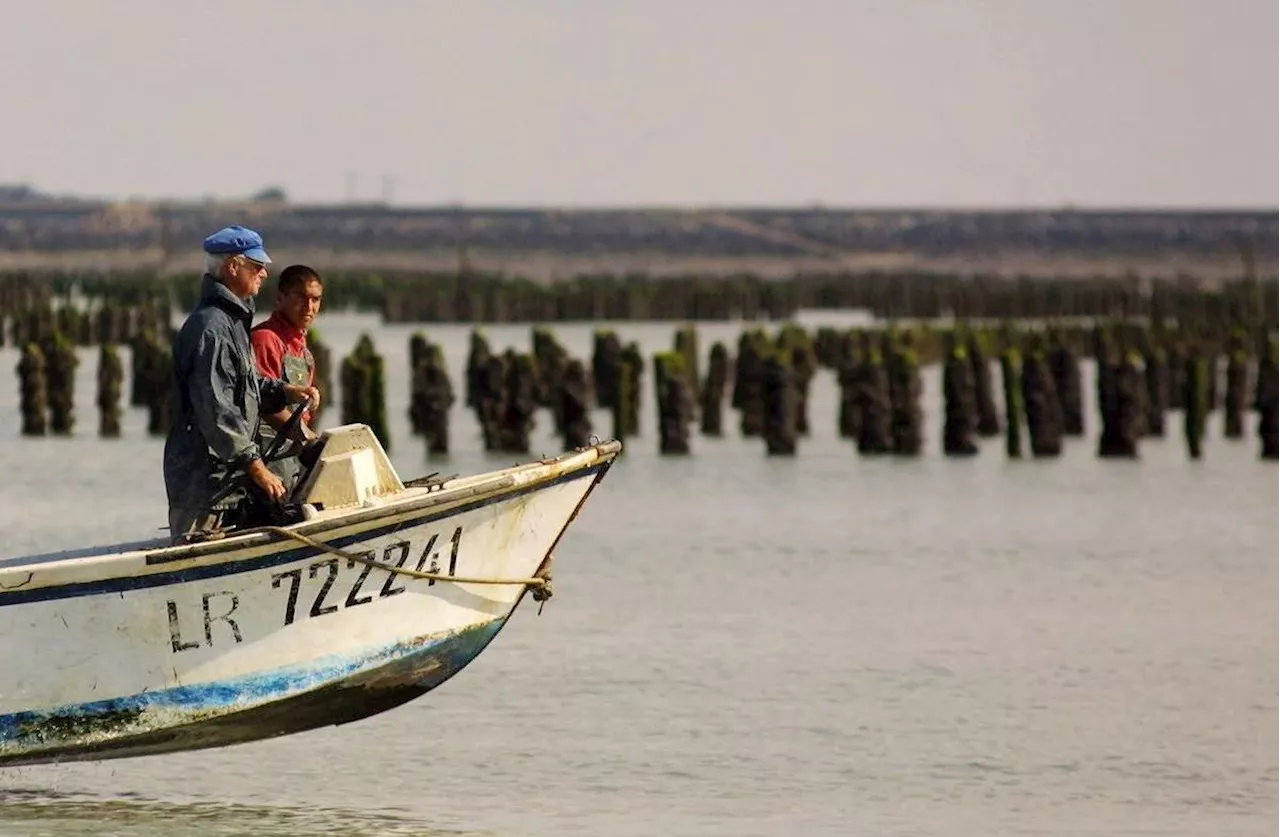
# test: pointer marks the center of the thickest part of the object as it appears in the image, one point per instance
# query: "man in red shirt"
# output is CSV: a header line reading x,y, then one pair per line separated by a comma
x,y
280,351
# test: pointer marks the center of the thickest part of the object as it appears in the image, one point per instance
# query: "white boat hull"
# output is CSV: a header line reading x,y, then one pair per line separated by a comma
x,y
179,648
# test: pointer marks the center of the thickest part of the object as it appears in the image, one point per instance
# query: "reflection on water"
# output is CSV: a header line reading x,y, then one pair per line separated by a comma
x,y
34,812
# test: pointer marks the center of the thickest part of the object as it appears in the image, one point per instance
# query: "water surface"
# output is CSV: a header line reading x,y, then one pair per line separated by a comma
x,y
738,645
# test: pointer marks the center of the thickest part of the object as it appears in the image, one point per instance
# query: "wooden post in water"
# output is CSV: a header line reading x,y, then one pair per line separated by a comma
x,y
519,401
781,404
802,363
686,344
417,383
904,394
431,397
1156,378
1040,400
848,365
1195,399
60,370
549,359
984,388
34,390
875,407
1065,370
748,382
1236,396
675,403
606,356
1267,396
486,376
1124,411
110,384
575,404
1011,376
626,420
477,369
713,389
364,393
959,395
158,370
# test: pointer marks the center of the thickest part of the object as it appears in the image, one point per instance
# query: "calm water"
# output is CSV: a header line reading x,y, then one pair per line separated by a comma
x,y
741,646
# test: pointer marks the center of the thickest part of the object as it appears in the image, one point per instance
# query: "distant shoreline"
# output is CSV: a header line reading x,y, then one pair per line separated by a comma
x,y
39,233
545,267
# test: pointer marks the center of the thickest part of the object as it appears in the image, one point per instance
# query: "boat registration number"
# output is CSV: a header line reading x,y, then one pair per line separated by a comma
x,y
219,610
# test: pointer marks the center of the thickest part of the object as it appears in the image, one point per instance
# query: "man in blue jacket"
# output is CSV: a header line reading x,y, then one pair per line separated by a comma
x,y
219,397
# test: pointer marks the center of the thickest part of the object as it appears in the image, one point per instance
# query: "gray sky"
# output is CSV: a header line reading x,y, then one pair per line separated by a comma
x,y
966,103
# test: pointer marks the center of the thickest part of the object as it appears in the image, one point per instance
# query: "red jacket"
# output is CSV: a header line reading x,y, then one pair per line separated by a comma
x,y
275,338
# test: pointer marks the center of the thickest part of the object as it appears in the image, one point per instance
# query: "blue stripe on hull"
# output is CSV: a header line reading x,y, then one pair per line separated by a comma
x,y
331,691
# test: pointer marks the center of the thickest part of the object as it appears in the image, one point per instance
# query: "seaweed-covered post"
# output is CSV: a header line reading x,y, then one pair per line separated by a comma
x,y
157,366
110,384
417,383
1156,376
140,374
802,363
1040,399
1267,401
848,364
1236,396
549,359
606,354
34,390
713,389
1065,370
477,369
675,402
520,401
781,404
904,394
486,374
686,344
60,368
984,388
432,395
364,392
626,408
1123,414
1011,375
959,401
575,404
624,396
874,404
748,382
1195,401
1177,357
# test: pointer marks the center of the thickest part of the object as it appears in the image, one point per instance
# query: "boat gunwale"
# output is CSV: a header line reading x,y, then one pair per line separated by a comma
x,y
252,544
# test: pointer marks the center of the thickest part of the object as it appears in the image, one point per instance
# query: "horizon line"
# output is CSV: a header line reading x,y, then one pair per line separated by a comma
x,y
39,197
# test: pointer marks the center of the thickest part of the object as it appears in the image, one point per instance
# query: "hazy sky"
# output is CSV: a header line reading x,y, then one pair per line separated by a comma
x,y
658,102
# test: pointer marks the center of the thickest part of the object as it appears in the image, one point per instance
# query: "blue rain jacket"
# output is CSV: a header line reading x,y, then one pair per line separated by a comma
x,y
218,398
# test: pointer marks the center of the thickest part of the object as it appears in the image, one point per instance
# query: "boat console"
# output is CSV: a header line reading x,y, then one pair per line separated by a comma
x,y
352,470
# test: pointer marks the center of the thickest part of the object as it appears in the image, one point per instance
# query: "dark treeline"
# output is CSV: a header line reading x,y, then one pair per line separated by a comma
x,y
477,298
36,223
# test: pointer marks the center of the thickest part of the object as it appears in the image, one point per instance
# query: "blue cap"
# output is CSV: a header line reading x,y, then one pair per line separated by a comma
x,y
234,240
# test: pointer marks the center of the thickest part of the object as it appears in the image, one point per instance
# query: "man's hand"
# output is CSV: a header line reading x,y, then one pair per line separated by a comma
x,y
267,481
297,393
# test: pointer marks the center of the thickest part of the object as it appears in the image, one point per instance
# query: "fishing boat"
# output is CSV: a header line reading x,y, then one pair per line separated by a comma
x,y
378,592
